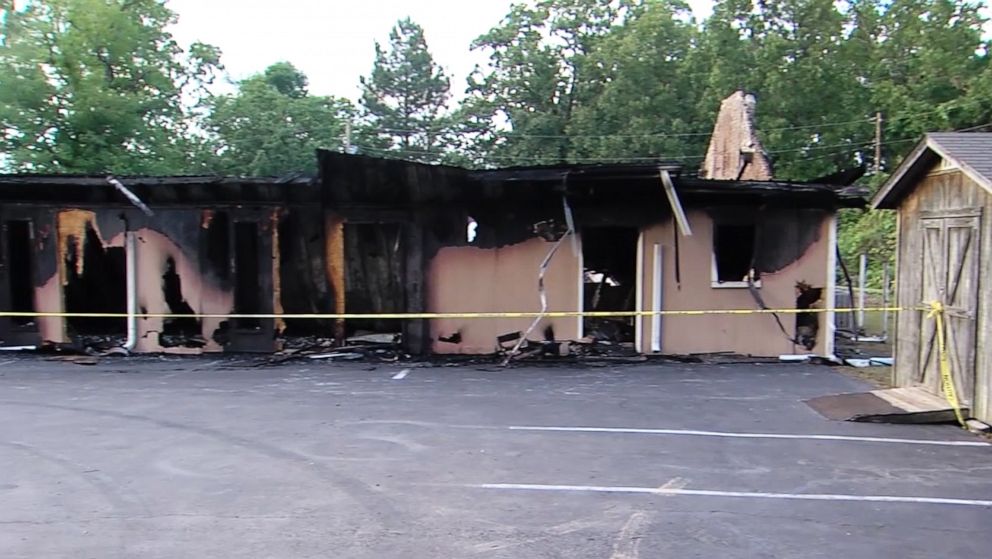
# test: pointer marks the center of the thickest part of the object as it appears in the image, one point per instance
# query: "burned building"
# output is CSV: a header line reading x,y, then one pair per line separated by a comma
x,y
556,254
603,238
388,236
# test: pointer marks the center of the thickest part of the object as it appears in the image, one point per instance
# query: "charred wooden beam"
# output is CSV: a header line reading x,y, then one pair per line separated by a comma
x,y
335,269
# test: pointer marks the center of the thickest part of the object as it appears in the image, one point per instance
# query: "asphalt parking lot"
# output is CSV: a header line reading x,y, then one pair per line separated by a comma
x,y
205,458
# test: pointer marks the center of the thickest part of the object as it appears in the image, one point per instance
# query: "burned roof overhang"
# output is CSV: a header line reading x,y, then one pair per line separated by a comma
x,y
800,194
158,191
635,190
360,183
568,172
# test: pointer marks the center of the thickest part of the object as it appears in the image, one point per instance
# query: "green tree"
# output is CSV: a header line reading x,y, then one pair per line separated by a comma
x,y
521,105
590,80
98,86
640,91
928,68
796,57
405,97
272,126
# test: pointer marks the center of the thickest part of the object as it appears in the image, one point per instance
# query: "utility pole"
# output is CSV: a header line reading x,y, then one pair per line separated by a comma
x,y
878,142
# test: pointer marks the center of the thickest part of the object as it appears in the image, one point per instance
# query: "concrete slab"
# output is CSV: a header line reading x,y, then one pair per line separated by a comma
x,y
891,405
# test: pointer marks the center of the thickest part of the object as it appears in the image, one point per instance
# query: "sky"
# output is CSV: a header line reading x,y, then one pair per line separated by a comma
x,y
332,41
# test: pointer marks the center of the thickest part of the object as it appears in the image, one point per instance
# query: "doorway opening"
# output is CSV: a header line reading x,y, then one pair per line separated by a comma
x,y
20,265
247,267
96,282
609,281
218,246
375,279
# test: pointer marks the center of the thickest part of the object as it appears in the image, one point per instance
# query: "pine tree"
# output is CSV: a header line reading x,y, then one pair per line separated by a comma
x,y
404,100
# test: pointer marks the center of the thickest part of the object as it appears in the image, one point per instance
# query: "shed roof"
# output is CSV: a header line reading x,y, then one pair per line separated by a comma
x,y
969,151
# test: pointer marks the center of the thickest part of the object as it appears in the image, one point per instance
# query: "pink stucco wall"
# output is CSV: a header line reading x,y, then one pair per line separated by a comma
x,y
471,279
744,334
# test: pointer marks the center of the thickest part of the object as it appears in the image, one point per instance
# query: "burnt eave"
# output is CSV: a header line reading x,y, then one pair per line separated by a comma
x,y
27,179
88,190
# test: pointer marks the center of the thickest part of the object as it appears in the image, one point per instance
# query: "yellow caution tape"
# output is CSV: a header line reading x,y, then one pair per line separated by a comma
x,y
441,315
946,379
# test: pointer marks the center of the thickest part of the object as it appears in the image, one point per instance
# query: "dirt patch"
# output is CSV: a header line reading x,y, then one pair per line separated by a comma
x,y
879,377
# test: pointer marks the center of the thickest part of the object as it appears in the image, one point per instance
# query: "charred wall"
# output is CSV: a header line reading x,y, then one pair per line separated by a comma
x,y
27,263
185,264
475,226
372,235
303,284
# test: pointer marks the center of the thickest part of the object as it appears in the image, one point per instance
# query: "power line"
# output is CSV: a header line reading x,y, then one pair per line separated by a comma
x,y
515,135
853,147
971,128
549,159
512,134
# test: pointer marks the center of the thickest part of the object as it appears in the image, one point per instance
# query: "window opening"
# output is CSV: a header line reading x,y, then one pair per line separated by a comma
x,y
733,254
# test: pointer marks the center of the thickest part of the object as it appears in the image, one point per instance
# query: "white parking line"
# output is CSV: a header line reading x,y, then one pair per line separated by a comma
x,y
401,375
741,494
686,432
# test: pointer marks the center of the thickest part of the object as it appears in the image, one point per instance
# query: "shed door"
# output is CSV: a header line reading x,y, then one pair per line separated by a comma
x,y
950,275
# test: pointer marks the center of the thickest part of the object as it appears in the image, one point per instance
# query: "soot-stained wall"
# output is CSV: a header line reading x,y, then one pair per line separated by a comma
x,y
184,264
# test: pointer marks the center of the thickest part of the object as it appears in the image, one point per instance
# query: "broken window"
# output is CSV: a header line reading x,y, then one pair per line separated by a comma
x,y
609,278
247,287
20,267
733,254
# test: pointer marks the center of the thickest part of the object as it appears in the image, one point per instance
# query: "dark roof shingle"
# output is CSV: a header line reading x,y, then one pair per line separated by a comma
x,y
972,149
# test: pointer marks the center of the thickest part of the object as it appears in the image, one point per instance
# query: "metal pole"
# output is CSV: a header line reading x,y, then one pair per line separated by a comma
x,y
862,279
885,301
131,278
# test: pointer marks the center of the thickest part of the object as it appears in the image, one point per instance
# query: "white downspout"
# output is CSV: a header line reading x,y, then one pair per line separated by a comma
x,y
131,275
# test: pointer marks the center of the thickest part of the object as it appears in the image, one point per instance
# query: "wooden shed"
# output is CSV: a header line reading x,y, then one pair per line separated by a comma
x,y
943,195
